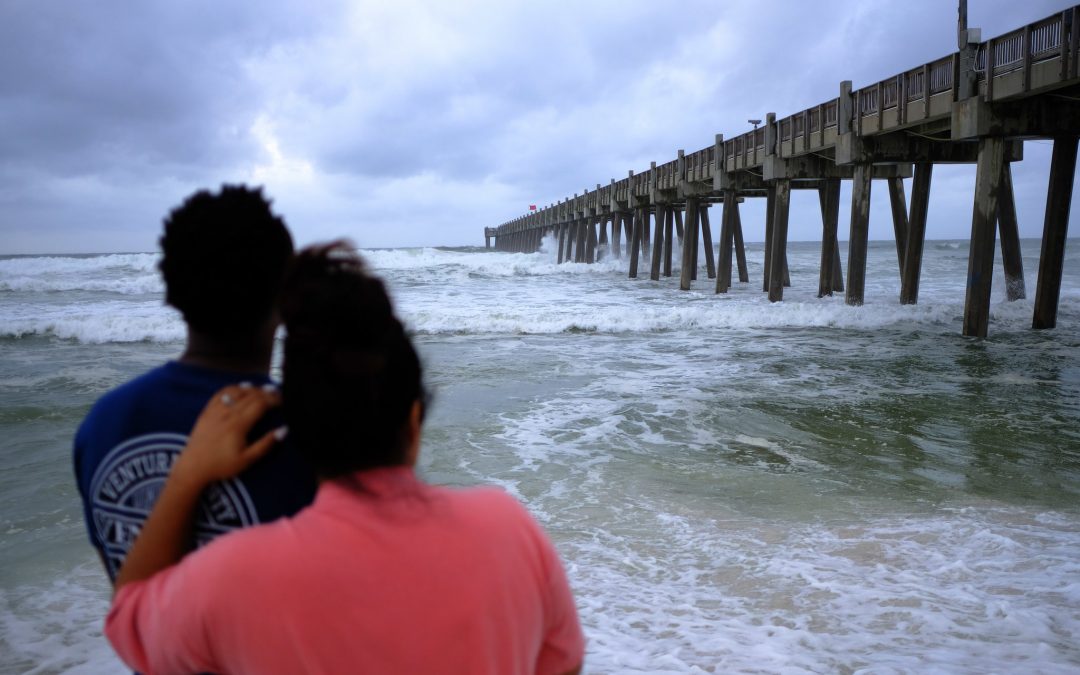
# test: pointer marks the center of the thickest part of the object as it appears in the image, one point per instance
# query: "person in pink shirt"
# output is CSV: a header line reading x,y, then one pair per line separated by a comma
x,y
383,573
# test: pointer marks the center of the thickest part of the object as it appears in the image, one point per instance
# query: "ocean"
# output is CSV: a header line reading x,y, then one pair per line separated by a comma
x,y
734,485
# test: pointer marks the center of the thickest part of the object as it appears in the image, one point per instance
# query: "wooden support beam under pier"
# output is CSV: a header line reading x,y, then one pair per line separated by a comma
x,y
646,247
582,238
913,249
770,209
669,220
860,230
898,203
658,245
1055,231
616,234
1009,236
706,236
635,242
590,241
740,246
695,241
689,240
727,236
778,252
983,221
829,200
603,234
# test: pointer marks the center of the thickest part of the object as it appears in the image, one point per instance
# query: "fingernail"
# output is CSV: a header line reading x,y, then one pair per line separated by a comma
x,y
270,387
245,385
281,432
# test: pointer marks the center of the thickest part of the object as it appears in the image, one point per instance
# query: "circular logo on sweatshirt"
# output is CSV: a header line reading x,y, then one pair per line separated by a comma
x,y
127,483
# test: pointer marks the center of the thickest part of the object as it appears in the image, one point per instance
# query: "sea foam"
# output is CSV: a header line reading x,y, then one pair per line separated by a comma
x,y
112,298
96,322
57,627
129,274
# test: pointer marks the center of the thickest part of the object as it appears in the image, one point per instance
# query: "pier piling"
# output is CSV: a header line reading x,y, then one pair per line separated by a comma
x,y
829,198
669,219
1009,236
658,245
635,243
983,221
913,249
770,209
778,265
898,203
689,244
860,229
706,240
740,246
727,237
1055,231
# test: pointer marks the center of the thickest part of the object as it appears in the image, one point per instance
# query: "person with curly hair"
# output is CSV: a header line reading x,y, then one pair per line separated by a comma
x,y
223,259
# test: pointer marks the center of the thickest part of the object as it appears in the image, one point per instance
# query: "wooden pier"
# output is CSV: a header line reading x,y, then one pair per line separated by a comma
x,y
976,105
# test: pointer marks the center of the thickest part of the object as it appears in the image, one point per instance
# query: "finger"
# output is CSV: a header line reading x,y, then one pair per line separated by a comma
x,y
260,447
254,405
256,398
239,394
220,402
235,393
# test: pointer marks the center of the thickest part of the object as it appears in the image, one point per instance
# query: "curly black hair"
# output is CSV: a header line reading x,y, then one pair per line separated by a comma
x,y
351,374
224,257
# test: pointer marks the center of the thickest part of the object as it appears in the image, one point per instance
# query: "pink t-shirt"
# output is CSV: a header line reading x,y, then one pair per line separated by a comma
x,y
382,574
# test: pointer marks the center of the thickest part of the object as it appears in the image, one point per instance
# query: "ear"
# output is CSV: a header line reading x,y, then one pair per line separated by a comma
x,y
414,424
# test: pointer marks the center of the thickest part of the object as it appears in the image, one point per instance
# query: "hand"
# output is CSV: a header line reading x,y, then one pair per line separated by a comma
x,y
217,448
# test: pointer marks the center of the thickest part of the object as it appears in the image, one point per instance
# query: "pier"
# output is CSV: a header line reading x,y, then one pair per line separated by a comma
x,y
976,105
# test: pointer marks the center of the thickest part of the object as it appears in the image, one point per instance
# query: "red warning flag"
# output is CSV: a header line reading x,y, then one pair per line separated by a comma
x,y
532,207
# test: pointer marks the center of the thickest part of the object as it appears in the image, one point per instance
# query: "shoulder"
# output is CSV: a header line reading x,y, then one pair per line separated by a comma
x,y
244,561
122,413
110,421
493,512
129,393
226,566
488,501
160,398
167,398
179,618
233,550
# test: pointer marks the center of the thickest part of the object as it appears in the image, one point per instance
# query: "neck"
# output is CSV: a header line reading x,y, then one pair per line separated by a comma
x,y
243,353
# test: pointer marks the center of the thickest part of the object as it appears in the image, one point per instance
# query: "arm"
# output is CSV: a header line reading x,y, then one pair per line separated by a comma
x,y
217,449
563,648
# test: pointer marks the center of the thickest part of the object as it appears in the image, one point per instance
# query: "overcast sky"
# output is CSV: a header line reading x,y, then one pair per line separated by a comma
x,y
408,122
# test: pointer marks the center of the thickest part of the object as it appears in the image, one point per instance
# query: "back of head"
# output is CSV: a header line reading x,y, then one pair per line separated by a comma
x,y
351,374
224,257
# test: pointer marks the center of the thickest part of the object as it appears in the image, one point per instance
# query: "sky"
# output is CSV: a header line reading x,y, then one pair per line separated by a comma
x,y
418,123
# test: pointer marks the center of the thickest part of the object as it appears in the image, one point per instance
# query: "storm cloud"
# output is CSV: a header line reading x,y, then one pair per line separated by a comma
x,y
418,123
